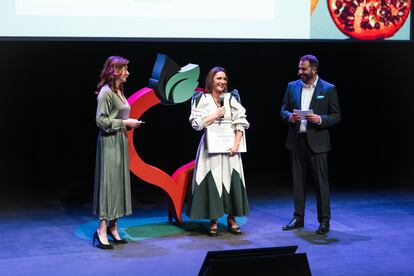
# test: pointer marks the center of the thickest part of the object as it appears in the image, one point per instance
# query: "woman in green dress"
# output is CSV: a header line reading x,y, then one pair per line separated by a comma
x,y
112,191
218,185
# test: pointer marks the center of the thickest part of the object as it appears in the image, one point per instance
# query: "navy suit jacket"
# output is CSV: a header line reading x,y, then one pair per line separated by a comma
x,y
324,102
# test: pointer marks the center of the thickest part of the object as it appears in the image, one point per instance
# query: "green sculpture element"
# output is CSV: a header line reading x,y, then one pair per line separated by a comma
x,y
180,87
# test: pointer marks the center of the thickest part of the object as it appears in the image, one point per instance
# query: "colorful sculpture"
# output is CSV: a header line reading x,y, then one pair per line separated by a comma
x,y
169,84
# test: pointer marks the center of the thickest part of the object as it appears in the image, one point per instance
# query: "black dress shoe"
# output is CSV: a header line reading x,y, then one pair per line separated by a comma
x,y
100,244
293,224
323,228
121,241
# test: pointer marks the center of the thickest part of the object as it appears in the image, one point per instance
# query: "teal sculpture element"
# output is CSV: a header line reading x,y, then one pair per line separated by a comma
x,y
180,87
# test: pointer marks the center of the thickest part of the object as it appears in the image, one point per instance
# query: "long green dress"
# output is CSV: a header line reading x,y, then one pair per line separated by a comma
x,y
112,190
218,185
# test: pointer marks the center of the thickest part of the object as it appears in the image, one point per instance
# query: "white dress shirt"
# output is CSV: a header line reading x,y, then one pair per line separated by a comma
x,y
307,93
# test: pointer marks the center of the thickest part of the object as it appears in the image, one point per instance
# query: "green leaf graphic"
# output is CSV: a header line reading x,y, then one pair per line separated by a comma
x,y
180,87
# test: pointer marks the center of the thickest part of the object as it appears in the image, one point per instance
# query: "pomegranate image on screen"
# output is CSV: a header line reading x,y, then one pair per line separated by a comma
x,y
369,19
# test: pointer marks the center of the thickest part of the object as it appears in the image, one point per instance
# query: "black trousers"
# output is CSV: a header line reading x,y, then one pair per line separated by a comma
x,y
305,164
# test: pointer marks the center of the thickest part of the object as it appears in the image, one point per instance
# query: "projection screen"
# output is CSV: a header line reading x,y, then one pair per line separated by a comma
x,y
213,19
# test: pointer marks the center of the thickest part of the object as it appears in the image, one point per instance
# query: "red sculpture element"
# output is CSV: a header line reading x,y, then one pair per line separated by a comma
x,y
176,186
199,89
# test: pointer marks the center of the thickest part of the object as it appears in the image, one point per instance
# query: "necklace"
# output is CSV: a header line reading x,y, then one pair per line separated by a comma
x,y
216,101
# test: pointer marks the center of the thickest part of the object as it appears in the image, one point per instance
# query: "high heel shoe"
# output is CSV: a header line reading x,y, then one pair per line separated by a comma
x,y
121,241
212,232
233,229
100,244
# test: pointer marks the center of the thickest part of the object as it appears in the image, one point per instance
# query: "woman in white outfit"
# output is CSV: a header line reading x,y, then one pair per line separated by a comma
x,y
218,185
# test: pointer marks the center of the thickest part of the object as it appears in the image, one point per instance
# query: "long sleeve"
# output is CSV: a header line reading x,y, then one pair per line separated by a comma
x,y
238,115
286,110
199,111
104,117
334,113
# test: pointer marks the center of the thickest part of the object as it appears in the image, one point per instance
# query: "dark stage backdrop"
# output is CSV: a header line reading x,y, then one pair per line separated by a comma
x,y
48,130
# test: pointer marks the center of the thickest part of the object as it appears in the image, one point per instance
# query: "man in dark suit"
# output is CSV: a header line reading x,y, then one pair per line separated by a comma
x,y
308,138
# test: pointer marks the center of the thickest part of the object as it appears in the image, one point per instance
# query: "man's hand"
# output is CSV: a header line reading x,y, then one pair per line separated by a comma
x,y
295,117
313,118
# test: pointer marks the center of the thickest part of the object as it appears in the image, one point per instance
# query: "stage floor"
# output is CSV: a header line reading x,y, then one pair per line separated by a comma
x,y
371,234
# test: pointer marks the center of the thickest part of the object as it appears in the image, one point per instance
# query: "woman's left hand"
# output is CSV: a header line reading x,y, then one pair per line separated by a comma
x,y
234,149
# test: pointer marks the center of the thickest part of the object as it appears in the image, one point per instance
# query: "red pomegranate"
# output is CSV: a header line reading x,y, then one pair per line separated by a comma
x,y
369,19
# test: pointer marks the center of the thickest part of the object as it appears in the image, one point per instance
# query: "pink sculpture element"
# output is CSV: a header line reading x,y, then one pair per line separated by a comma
x,y
175,186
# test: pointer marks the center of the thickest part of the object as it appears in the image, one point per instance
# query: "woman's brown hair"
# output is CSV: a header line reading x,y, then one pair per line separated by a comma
x,y
210,77
110,71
